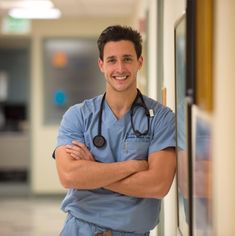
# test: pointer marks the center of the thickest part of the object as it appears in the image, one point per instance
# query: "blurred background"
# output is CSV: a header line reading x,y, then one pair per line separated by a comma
x,y
48,61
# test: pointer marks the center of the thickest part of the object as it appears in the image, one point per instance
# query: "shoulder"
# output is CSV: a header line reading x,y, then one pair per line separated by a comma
x,y
79,113
156,106
163,115
91,104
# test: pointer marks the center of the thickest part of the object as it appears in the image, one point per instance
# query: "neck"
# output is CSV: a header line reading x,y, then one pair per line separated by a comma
x,y
120,102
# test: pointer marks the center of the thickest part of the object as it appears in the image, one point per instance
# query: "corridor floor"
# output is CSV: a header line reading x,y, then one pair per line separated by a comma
x,y
30,216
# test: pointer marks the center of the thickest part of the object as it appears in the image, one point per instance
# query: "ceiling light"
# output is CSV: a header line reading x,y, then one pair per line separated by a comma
x,y
33,13
26,4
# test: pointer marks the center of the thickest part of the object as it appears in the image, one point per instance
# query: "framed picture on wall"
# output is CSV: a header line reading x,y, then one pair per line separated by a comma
x,y
182,135
204,54
202,171
202,112
193,103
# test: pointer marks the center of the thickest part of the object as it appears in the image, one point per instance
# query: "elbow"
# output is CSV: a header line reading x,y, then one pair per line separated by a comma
x,y
164,192
160,191
65,180
163,188
159,194
67,176
69,181
64,175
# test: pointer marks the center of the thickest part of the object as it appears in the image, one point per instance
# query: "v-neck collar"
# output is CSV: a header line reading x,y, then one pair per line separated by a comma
x,y
108,113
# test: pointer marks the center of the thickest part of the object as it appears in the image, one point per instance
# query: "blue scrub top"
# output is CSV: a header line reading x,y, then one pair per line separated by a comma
x,y
100,206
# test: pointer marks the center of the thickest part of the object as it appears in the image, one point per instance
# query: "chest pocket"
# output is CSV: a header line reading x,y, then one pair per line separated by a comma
x,y
136,148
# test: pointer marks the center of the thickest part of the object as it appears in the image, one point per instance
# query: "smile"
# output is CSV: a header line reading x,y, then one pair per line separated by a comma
x,y
120,77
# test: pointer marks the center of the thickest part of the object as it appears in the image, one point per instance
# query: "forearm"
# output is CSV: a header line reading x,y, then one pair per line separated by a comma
x,y
154,182
84,174
140,185
91,175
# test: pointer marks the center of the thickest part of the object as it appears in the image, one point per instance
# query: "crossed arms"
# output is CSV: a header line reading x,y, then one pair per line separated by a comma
x,y
145,179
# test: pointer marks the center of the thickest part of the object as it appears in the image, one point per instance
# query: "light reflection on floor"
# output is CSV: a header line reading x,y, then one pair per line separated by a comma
x,y
30,216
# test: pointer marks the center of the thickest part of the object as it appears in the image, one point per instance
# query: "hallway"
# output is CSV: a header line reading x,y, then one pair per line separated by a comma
x,y
30,216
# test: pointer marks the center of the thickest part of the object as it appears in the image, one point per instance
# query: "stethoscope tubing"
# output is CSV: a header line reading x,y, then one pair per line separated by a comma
x,y
99,140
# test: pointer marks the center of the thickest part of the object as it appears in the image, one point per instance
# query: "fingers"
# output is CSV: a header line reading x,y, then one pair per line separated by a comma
x,y
75,152
87,153
79,151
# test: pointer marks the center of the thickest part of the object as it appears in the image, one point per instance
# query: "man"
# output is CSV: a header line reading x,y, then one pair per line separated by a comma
x,y
115,152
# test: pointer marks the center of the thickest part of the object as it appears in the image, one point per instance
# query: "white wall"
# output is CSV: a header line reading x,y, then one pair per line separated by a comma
x,y
224,116
173,9
43,172
152,49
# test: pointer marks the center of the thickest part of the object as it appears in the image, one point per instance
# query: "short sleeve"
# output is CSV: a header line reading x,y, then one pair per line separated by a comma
x,y
163,127
71,127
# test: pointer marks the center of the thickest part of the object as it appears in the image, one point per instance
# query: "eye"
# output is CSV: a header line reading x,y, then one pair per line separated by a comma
x,y
111,61
127,59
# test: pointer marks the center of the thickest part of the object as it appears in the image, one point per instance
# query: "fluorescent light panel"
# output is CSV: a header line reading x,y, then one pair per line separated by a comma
x,y
31,9
26,4
33,13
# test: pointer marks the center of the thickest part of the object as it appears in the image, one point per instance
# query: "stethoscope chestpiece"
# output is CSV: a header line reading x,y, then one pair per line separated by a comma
x,y
99,141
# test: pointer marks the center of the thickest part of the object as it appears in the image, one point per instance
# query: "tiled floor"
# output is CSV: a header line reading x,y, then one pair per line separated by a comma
x,y
27,215
30,216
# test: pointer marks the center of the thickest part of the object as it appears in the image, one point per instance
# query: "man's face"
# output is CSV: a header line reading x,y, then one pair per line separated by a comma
x,y
120,65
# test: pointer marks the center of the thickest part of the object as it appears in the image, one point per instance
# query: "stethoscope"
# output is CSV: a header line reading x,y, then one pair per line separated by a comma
x,y
99,140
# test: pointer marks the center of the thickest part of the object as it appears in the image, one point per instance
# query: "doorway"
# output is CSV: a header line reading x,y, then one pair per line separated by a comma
x,y
14,115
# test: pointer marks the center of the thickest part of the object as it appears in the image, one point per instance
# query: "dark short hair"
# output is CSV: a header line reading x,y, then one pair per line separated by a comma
x,y
118,33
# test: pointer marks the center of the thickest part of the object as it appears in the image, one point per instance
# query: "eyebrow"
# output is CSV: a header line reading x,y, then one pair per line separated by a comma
x,y
110,57
124,56
127,55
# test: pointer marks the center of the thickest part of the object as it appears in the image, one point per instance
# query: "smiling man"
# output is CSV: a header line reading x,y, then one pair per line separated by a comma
x,y
116,152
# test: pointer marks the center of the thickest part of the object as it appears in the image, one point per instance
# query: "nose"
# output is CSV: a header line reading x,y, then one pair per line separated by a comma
x,y
120,66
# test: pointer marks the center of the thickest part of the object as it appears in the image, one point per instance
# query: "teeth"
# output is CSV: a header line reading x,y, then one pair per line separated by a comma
x,y
120,77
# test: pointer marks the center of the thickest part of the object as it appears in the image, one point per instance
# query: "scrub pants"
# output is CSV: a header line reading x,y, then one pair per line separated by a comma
x,y
77,227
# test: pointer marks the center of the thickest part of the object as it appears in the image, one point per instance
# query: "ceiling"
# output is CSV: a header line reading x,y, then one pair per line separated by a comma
x,y
95,8
77,8
90,8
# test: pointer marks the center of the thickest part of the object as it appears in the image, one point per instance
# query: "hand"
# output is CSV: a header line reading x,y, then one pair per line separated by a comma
x,y
79,151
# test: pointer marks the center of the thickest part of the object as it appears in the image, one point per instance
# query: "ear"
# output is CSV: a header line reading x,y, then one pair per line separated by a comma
x,y
140,60
101,64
